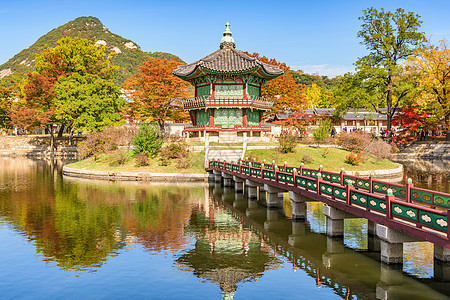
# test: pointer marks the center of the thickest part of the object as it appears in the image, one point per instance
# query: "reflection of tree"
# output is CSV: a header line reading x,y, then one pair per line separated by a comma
x,y
79,224
158,217
225,252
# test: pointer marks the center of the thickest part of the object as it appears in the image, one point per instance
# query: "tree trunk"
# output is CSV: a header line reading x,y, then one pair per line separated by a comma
x,y
52,138
61,130
70,137
389,107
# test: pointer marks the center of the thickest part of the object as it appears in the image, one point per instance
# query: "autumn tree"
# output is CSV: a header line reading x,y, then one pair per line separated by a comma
x,y
390,37
318,96
73,59
288,95
6,101
411,119
430,68
155,92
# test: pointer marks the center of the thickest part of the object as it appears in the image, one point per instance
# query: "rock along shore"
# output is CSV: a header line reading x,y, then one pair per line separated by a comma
x,y
133,176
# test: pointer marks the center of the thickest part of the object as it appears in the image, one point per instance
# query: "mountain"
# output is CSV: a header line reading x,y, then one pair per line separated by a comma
x,y
129,54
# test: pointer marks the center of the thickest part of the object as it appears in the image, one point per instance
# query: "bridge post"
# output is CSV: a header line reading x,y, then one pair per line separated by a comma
x,y
298,206
273,200
238,184
392,244
227,179
335,220
252,189
210,175
217,176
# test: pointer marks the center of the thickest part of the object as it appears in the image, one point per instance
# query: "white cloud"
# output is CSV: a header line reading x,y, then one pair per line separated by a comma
x,y
328,70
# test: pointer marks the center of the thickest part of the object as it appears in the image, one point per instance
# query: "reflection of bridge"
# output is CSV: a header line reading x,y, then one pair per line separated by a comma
x,y
325,259
396,213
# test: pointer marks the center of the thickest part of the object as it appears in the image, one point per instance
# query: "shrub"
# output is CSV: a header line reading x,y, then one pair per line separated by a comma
x,y
353,159
306,159
287,142
183,163
163,161
118,158
379,148
354,141
325,152
322,131
141,159
103,141
148,140
175,148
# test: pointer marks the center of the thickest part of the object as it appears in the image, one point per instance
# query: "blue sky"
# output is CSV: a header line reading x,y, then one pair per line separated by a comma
x,y
315,36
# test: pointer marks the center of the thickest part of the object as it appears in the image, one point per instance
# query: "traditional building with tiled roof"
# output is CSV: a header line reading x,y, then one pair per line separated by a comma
x,y
227,91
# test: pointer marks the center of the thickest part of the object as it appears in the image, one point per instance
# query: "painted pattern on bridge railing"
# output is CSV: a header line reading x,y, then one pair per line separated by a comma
x,y
421,208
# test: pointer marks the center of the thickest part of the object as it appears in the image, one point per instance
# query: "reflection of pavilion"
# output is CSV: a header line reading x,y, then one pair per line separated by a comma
x,y
225,252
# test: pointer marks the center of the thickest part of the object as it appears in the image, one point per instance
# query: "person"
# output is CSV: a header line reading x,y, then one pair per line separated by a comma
x,y
422,134
333,132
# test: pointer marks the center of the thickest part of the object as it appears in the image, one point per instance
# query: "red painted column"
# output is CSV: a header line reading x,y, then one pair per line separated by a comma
x,y
244,117
211,116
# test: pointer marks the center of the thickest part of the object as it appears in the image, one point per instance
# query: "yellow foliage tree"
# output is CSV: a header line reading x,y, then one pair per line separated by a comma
x,y
430,68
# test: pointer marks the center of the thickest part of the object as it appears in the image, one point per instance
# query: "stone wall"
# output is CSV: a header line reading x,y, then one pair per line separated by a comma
x,y
37,146
425,150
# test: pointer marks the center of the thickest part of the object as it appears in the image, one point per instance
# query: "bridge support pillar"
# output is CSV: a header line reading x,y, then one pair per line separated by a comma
x,y
335,220
392,244
238,184
217,176
211,176
227,179
273,200
298,206
371,228
252,190
262,195
441,253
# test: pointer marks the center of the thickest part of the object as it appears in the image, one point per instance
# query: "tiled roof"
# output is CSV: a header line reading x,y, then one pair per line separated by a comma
x,y
226,60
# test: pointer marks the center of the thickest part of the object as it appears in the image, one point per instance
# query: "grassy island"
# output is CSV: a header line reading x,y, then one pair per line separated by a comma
x,y
332,159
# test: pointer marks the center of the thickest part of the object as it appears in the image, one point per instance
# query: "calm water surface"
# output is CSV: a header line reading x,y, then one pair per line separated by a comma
x,y
82,239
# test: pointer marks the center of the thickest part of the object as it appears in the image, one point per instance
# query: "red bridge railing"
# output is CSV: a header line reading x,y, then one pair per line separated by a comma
x,y
425,210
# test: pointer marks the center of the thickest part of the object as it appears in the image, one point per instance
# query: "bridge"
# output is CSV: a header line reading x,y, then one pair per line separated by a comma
x,y
396,213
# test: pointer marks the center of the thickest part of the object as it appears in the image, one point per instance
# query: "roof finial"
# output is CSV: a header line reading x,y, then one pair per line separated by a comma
x,y
227,40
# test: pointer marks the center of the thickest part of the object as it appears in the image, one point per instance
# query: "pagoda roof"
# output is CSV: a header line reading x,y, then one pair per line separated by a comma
x,y
227,60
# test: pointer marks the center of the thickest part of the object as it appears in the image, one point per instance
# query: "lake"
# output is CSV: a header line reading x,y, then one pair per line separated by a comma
x,y
81,239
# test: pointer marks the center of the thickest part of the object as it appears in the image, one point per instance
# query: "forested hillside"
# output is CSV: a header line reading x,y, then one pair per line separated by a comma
x,y
129,54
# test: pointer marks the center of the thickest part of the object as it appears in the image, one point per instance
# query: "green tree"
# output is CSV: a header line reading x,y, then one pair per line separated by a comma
x,y
322,131
148,140
87,102
390,38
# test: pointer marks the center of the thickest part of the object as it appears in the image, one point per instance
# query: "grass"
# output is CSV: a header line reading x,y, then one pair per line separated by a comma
x,y
107,162
333,161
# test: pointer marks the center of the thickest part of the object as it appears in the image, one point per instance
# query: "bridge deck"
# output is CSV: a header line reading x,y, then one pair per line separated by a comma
x,y
418,212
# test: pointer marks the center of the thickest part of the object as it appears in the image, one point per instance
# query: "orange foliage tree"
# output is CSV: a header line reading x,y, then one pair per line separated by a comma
x,y
289,96
156,93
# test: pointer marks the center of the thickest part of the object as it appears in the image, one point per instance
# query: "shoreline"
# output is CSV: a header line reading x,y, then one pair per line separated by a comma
x,y
396,173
